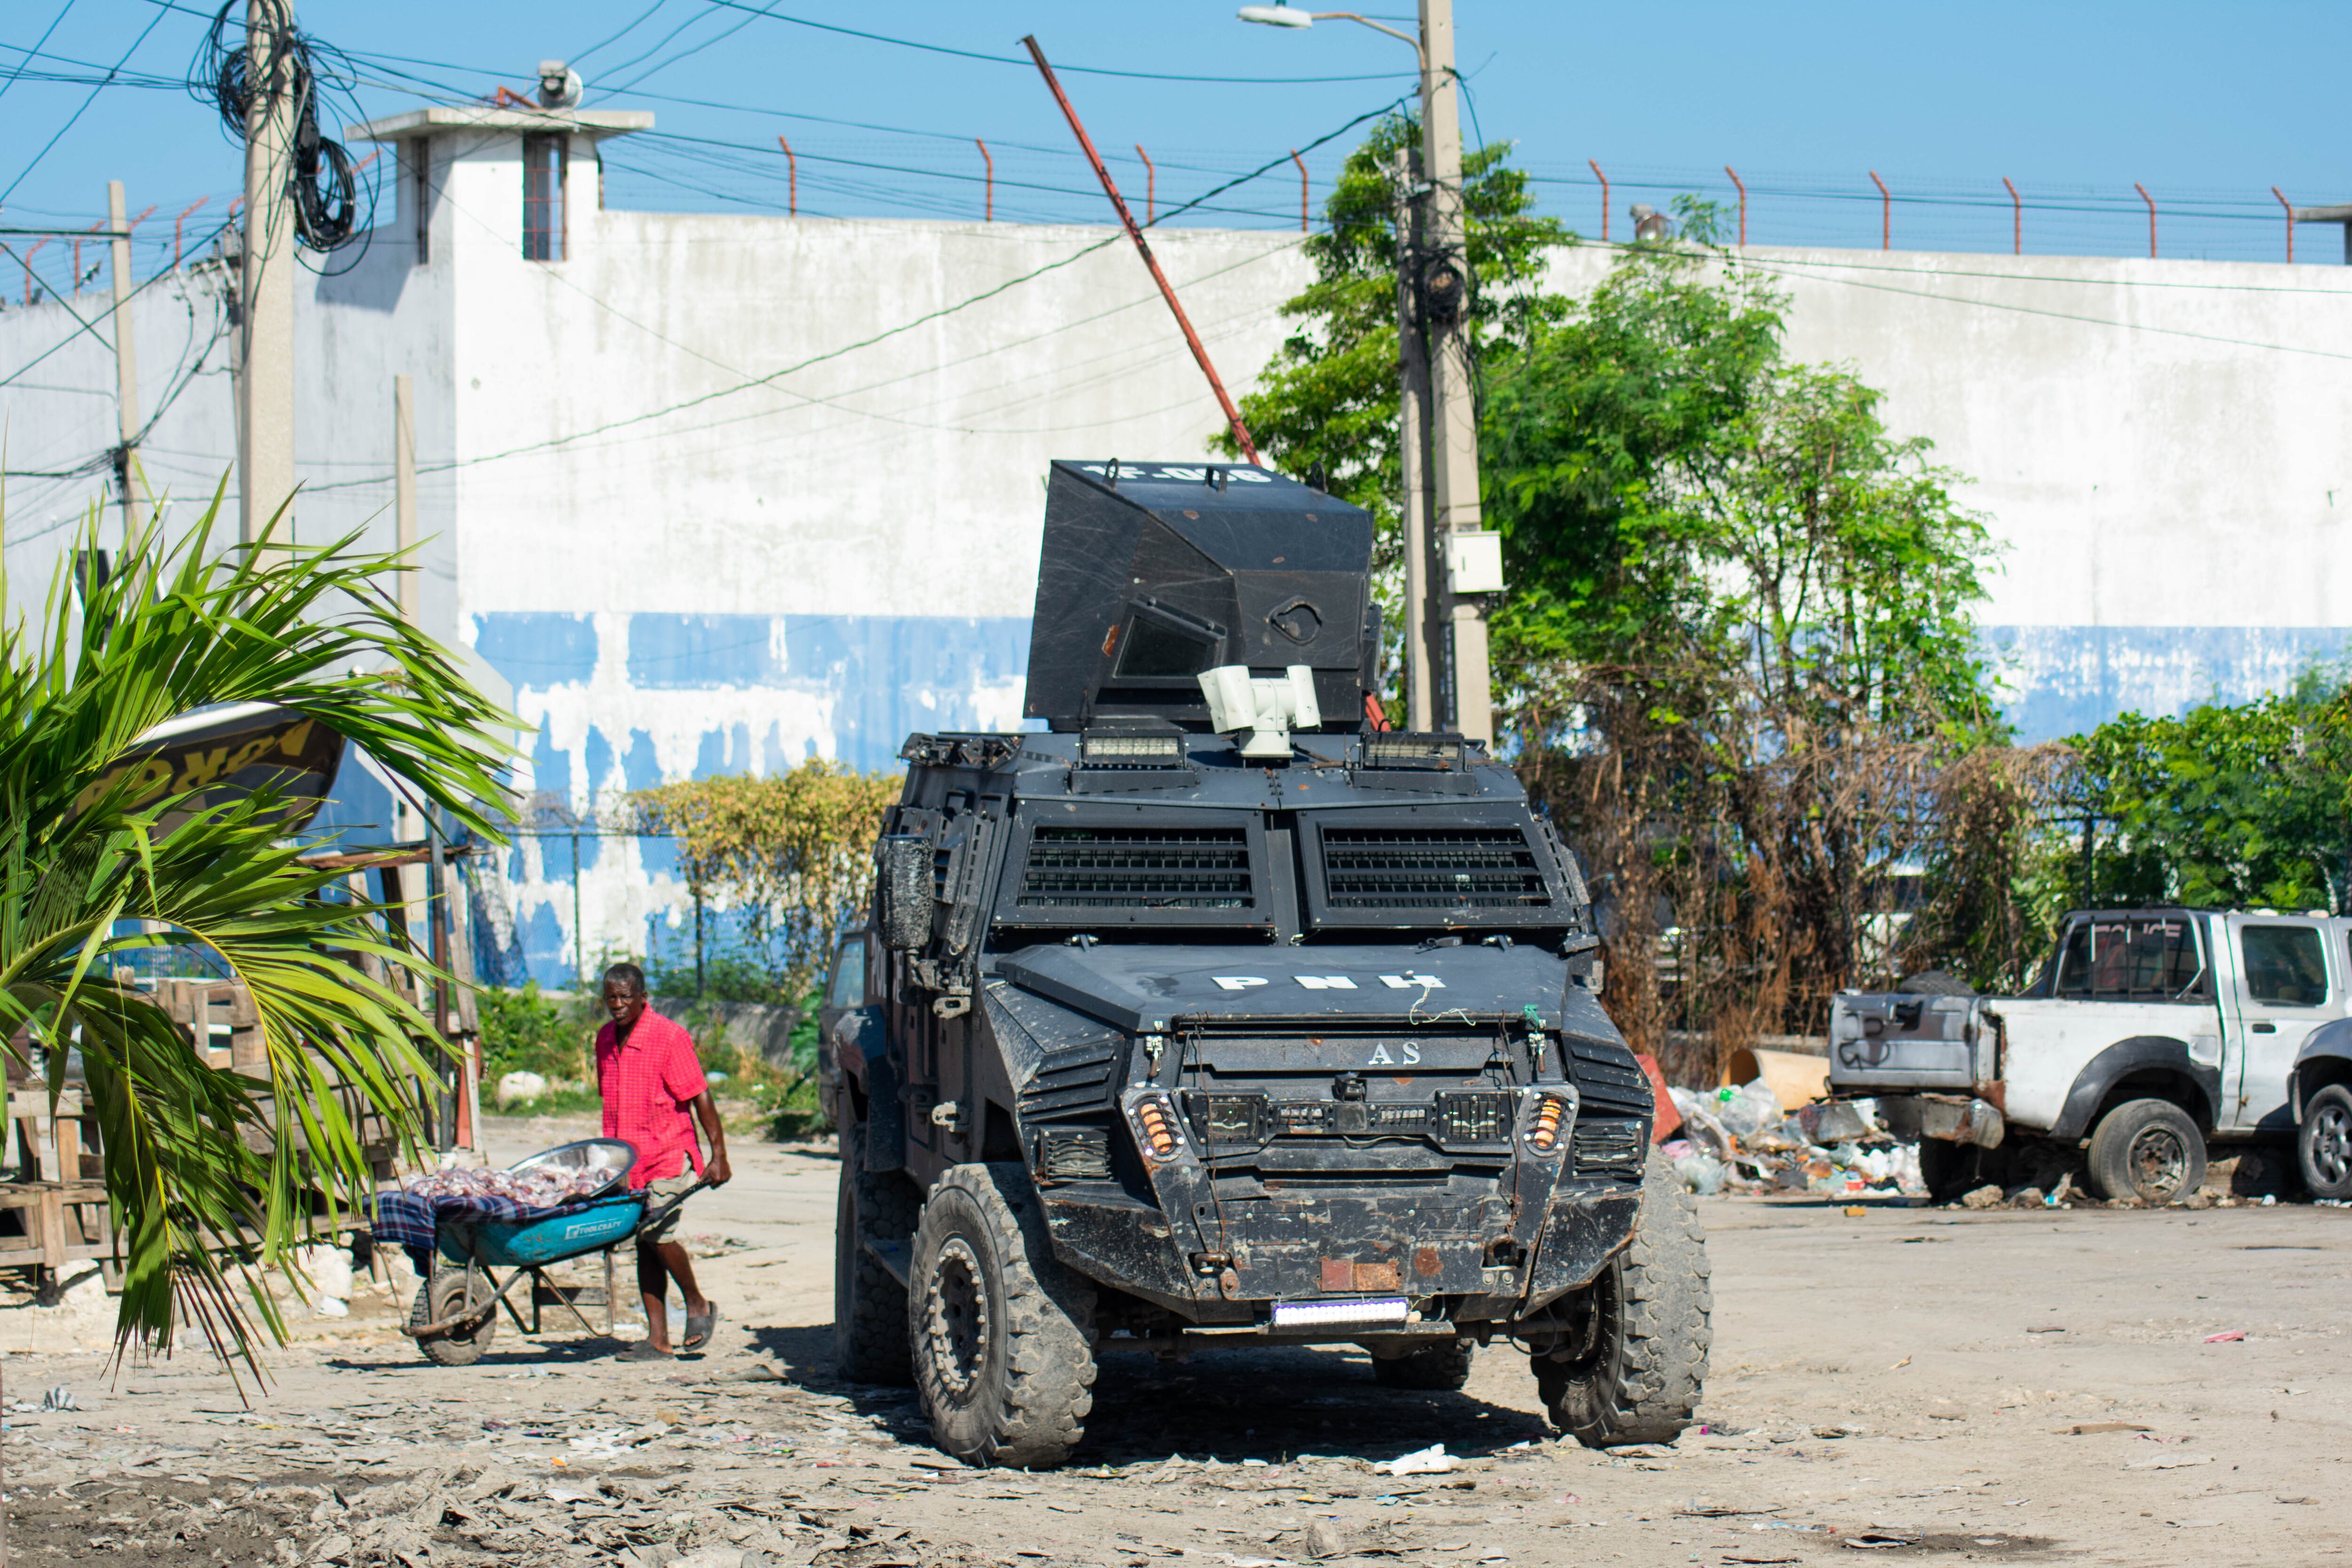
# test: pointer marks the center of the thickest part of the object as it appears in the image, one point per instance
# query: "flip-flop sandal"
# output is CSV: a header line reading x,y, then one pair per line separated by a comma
x,y
643,1351
698,1328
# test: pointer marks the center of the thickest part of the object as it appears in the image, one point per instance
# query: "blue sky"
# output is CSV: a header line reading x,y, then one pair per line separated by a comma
x,y
2207,106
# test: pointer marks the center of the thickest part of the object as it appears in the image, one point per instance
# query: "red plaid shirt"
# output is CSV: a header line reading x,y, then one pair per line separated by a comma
x,y
648,1082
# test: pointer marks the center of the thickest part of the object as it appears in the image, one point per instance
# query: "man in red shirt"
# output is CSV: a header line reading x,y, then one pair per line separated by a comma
x,y
654,1093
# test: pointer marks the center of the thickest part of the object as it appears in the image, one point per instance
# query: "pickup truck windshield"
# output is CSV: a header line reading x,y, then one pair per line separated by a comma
x,y
2152,958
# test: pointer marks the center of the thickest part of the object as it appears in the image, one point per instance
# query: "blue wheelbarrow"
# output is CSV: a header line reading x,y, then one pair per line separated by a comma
x,y
457,1311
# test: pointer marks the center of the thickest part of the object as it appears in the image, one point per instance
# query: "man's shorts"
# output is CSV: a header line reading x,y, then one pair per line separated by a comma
x,y
659,1193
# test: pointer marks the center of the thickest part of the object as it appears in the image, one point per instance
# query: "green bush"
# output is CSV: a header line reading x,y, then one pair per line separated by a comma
x,y
531,1030
731,973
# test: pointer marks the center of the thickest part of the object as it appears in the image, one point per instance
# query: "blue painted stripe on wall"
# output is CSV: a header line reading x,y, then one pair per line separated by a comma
x,y
2062,680
537,648
887,676
678,653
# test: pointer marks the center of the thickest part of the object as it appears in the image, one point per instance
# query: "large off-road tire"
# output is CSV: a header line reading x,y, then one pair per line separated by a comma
x,y
869,1305
2323,1143
1003,1336
2146,1151
444,1296
1440,1368
1634,1369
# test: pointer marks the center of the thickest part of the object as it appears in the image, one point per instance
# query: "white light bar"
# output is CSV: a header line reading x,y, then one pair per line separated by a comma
x,y
1318,1314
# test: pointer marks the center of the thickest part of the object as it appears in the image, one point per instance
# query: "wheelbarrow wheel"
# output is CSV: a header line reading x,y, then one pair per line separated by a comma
x,y
444,1296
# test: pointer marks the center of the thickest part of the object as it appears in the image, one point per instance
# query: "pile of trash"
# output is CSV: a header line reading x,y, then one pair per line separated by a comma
x,y
1741,1140
539,1187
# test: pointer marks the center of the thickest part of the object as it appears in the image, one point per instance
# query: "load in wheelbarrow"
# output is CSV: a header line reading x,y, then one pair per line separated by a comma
x,y
457,1310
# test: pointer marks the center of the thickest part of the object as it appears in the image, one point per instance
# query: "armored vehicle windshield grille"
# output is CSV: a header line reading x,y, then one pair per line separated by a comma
x,y
1432,869
1138,868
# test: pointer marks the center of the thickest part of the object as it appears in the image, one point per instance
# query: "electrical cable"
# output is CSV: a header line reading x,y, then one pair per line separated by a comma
x,y
323,183
62,343
35,52
775,15
652,71
75,118
659,43
642,17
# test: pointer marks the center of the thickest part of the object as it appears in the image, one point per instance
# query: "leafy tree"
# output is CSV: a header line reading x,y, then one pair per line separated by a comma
x,y
794,851
93,873
2246,805
1329,398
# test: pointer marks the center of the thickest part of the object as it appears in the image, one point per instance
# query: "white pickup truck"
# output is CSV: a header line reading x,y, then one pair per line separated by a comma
x,y
2149,1033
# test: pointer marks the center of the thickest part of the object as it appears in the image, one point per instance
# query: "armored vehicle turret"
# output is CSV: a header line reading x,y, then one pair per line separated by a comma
x,y
1215,1014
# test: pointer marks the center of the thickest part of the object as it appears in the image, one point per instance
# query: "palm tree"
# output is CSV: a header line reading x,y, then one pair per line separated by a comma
x,y
98,862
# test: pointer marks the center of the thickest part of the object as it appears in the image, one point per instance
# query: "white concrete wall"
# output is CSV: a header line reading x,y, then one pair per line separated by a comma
x,y
2159,446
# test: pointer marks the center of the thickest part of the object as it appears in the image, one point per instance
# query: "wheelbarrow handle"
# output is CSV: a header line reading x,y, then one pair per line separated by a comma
x,y
656,1212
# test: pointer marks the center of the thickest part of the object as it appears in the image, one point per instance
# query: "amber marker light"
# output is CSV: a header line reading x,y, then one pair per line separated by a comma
x,y
1551,1116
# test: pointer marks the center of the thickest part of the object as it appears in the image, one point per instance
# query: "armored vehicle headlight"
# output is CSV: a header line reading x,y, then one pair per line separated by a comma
x,y
1130,749
1397,749
1550,1118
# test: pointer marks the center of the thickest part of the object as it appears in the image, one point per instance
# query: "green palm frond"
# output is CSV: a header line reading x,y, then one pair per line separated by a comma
x,y
204,1186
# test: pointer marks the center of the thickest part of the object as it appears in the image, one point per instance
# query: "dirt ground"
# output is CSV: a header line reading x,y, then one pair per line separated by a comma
x,y
2009,1386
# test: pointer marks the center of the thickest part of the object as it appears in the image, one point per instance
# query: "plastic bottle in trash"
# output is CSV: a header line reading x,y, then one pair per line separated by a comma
x,y
1701,1172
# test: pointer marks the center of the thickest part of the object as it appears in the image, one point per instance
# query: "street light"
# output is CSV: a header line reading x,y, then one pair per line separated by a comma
x,y
1446,588
1291,16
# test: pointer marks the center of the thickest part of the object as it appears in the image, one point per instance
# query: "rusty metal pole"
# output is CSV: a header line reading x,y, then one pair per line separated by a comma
x,y
1885,214
1303,208
1127,220
1150,187
2016,220
1741,186
179,225
2290,224
792,179
1595,166
991,210
2151,217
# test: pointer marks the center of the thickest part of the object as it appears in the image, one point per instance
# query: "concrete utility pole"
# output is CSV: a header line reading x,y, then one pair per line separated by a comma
x,y
1453,413
126,366
1419,627
1461,562
404,486
266,454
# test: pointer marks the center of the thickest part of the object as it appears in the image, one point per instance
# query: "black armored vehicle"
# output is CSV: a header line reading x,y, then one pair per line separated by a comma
x,y
1214,1014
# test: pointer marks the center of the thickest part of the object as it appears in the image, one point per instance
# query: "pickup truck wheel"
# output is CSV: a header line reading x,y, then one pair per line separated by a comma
x,y
1634,1372
2323,1144
1004,1335
1440,1369
2146,1151
869,1305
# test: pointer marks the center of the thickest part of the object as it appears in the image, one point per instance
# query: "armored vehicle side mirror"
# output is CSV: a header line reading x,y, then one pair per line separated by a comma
x,y
904,891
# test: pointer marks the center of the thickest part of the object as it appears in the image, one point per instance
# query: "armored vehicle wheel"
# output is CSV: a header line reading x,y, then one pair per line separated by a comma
x,y
869,1306
1443,1368
2323,1144
1632,1370
2146,1151
444,1296
1003,1335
